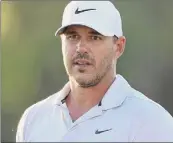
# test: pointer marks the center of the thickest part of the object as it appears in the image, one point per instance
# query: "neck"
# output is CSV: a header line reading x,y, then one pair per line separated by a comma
x,y
80,99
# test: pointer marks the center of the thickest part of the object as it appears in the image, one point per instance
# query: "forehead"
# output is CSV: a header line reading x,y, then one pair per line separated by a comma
x,y
80,28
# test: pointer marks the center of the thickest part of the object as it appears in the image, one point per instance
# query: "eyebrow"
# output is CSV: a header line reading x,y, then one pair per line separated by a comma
x,y
95,33
74,32
70,32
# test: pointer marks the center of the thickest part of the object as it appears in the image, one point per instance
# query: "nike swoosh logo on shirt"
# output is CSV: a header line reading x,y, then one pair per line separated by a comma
x,y
99,132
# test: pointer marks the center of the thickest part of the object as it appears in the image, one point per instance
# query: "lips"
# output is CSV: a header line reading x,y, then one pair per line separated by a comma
x,y
82,62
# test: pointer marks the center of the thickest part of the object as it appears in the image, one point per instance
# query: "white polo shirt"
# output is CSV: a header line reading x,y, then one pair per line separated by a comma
x,y
123,115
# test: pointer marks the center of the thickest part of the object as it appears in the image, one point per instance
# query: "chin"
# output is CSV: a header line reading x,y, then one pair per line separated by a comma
x,y
86,81
82,78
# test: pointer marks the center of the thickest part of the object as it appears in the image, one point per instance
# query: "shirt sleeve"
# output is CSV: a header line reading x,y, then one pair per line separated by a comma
x,y
156,129
21,128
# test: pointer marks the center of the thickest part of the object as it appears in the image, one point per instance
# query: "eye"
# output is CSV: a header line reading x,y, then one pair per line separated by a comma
x,y
72,37
96,37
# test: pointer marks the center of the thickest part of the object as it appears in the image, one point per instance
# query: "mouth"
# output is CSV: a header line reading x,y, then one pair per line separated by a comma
x,y
82,62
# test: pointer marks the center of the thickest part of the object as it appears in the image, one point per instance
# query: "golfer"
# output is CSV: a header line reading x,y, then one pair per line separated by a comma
x,y
97,104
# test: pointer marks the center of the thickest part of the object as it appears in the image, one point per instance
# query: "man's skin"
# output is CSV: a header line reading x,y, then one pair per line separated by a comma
x,y
90,61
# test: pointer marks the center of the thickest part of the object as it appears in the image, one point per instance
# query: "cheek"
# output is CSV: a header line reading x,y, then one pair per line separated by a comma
x,y
65,47
68,52
104,55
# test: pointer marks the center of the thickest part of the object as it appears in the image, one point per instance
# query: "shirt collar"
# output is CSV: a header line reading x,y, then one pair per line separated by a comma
x,y
61,95
116,94
114,97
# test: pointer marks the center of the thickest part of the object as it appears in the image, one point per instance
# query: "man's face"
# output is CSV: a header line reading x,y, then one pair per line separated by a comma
x,y
88,56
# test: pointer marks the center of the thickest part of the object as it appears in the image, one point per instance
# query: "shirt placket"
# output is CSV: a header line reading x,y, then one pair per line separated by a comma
x,y
93,113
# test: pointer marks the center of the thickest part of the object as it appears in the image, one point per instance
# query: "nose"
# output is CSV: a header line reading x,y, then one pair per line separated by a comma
x,y
81,46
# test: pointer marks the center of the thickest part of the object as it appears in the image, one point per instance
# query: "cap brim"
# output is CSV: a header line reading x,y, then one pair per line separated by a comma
x,y
60,30
96,28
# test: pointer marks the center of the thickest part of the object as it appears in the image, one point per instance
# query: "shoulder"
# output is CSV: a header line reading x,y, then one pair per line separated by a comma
x,y
43,105
140,110
40,108
48,103
34,114
153,122
145,106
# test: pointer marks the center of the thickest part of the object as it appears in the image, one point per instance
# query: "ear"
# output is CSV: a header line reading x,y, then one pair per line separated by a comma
x,y
120,46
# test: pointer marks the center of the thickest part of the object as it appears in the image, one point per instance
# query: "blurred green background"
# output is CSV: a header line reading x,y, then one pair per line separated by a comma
x,y
32,65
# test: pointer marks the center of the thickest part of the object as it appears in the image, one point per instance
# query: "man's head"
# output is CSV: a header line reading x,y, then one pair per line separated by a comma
x,y
92,40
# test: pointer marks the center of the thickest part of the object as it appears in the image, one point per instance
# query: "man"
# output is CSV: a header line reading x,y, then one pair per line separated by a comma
x,y
97,104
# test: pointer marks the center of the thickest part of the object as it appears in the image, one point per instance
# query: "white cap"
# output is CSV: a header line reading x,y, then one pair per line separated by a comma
x,y
101,16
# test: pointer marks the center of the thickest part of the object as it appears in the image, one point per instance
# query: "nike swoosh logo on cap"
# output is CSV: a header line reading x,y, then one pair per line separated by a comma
x,y
84,10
